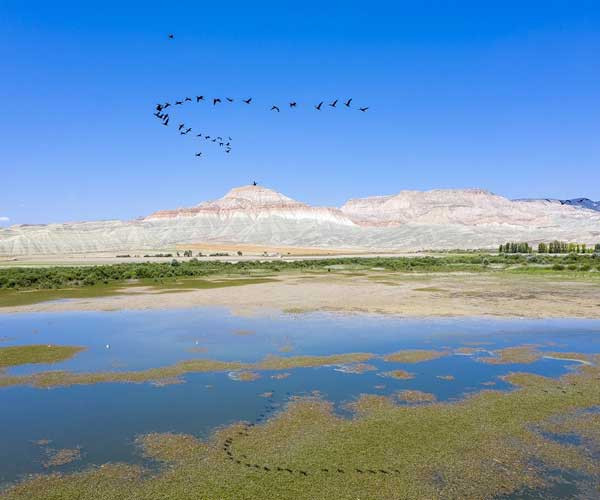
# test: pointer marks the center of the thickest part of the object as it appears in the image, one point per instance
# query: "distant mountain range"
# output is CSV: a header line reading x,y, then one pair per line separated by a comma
x,y
255,215
575,202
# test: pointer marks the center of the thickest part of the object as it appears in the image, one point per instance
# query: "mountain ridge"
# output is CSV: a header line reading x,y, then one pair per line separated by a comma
x,y
405,221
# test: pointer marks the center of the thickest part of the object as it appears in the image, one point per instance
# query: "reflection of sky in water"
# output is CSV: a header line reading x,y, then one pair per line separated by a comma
x,y
105,418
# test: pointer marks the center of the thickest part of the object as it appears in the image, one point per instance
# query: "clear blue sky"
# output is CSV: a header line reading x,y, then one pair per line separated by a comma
x,y
500,95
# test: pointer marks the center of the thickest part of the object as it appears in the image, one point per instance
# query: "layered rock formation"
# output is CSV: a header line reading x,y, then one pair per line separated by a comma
x,y
410,220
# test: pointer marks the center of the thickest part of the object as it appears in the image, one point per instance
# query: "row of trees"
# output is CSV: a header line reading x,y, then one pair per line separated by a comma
x,y
552,247
515,247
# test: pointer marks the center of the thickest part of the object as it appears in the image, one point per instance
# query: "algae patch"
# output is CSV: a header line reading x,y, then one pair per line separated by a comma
x,y
36,354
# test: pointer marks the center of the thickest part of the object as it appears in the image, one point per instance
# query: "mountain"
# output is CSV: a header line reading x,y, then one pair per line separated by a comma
x,y
574,202
409,220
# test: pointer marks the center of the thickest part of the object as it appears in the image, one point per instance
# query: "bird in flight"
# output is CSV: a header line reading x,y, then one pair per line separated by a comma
x,y
318,106
181,125
178,102
347,103
334,103
254,183
275,108
198,154
166,122
159,107
187,99
363,109
188,130
170,36
198,135
216,100
247,101
229,99
293,104
167,104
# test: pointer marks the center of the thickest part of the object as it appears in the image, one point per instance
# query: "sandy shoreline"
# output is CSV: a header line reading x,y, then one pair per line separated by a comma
x,y
400,295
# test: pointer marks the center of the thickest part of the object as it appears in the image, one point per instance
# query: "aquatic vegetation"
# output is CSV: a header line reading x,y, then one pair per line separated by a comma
x,y
172,373
36,354
282,363
399,374
484,446
62,457
415,355
244,376
412,396
519,354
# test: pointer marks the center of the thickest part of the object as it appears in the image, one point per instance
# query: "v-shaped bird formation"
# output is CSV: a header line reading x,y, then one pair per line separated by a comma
x,y
225,142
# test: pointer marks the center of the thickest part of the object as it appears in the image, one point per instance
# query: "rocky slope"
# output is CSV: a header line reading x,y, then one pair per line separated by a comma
x,y
574,202
410,220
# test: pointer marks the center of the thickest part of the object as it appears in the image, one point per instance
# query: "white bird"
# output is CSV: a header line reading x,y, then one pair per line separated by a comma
x,y
108,346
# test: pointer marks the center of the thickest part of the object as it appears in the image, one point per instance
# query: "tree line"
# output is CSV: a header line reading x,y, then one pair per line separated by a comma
x,y
552,247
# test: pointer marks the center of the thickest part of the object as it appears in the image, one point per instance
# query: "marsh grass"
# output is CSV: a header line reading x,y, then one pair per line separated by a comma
x,y
415,355
62,378
484,446
398,374
22,297
60,457
36,354
525,354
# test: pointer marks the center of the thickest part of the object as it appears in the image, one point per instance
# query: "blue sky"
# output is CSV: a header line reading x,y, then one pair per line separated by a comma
x,y
500,95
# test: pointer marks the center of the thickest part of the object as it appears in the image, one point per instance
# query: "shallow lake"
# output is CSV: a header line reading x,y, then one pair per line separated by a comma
x,y
104,419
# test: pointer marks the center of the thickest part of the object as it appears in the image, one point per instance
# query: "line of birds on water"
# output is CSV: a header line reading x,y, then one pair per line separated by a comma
x,y
269,408
164,117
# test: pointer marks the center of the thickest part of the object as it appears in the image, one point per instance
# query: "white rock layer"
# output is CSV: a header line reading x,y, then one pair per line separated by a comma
x,y
410,220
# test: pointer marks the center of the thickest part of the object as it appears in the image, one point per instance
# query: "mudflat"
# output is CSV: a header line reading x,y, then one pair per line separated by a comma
x,y
401,294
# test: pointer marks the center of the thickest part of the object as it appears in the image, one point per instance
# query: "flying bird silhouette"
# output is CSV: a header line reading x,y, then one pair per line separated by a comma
x,y
178,102
363,109
181,125
199,98
229,99
167,104
247,101
318,106
166,122
188,99
170,36
188,130
198,154
347,103
334,103
275,108
293,104
216,100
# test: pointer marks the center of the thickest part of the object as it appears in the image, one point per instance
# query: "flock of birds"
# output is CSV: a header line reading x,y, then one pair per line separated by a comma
x,y
162,113
243,460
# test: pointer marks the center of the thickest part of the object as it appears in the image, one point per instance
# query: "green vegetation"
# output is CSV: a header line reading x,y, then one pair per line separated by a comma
x,y
18,297
37,354
172,373
515,247
485,446
415,355
47,278
561,247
